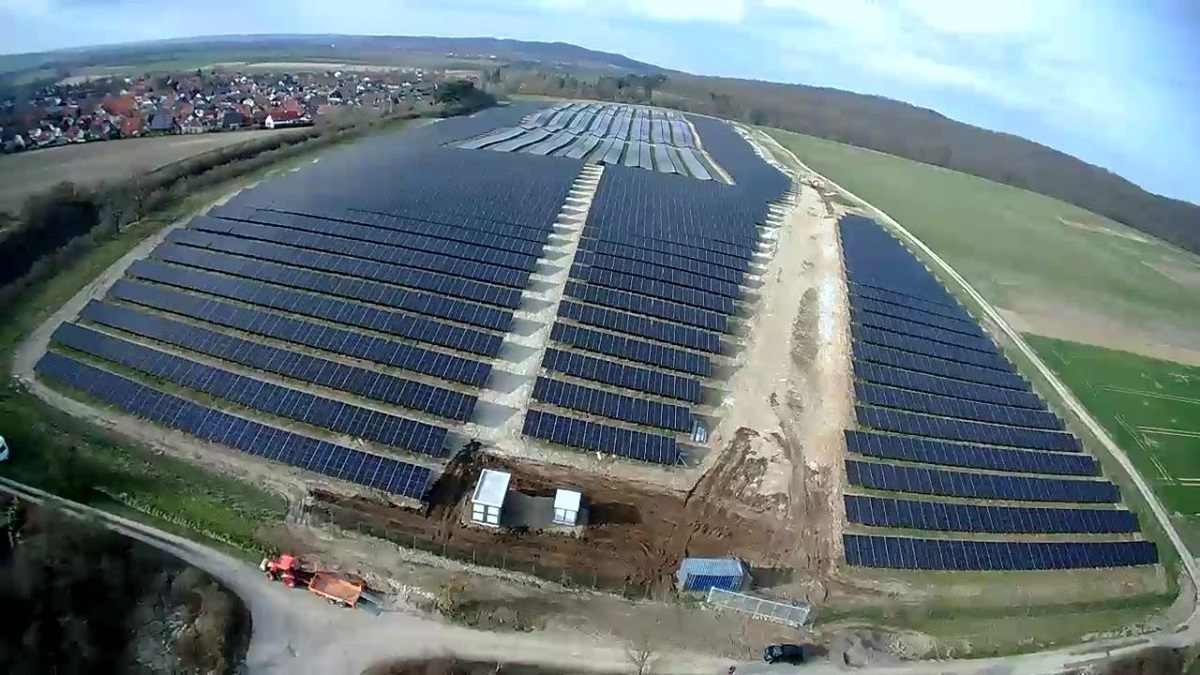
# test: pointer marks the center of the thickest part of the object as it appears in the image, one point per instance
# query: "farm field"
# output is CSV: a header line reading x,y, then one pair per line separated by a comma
x,y
27,173
1053,268
1150,407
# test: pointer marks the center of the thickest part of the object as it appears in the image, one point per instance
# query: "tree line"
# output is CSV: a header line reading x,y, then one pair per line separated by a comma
x,y
887,126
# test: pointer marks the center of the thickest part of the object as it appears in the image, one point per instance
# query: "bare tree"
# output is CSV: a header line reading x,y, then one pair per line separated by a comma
x,y
641,655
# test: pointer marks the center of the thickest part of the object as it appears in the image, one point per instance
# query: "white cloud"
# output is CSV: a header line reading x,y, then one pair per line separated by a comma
x,y
724,11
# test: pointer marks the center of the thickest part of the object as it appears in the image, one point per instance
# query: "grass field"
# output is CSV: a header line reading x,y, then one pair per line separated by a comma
x,y
1150,407
1067,272
26,173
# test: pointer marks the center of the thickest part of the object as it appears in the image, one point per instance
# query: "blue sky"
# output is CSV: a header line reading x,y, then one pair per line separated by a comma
x,y
1115,82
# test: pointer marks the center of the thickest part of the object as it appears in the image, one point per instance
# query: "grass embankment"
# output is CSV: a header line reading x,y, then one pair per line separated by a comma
x,y
1008,244
55,452
1020,250
1150,407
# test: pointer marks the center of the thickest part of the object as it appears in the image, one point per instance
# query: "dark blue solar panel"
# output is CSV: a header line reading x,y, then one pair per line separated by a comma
x,y
633,324
928,451
374,471
908,379
970,485
941,367
616,406
956,554
902,422
630,349
577,433
890,397
951,517
621,375
641,304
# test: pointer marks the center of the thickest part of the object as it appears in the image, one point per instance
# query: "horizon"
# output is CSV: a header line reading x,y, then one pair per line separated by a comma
x,y
1102,81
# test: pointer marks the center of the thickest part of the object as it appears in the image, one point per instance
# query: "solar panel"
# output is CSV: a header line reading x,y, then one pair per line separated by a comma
x,y
951,517
898,421
944,406
956,554
374,471
621,375
632,324
907,379
970,485
928,451
630,349
612,405
577,433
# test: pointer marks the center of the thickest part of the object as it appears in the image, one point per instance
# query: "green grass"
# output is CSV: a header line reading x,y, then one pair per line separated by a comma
x,y
1010,244
1150,407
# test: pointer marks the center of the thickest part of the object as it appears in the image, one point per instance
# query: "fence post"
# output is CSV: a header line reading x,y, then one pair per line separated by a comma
x,y
472,556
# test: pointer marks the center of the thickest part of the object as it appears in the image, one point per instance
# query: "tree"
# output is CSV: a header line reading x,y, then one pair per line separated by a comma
x,y
641,655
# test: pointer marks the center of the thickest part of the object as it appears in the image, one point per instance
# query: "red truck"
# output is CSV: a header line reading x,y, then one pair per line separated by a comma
x,y
334,587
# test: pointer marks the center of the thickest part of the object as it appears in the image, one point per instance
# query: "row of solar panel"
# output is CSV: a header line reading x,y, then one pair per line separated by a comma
x,y
924,347
956,554
657,307
708,268
621,375
889,397
928,451
927,306
318,336
901,422
970,485
679,241
931,384
576,433
612,405
491,247
630,349
339,242
466,248
755,179
900,326
951,517
418,279
633,324
336,310
670,275
654,288
875,258
916,316
418,302
940,367
373,471
306,367
325,413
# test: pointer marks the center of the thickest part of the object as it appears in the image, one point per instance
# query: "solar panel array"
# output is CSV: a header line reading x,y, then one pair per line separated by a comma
x,y
657,275
600,133
364,295
947,421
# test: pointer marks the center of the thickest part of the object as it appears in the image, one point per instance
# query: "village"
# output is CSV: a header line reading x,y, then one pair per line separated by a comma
x,y
110,108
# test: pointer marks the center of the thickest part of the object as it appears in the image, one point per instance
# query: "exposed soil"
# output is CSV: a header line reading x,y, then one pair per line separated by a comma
x,y
457,667
1133,236
1067,322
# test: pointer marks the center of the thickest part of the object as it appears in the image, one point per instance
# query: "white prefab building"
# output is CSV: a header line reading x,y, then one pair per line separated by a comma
x,y
566,507
488,500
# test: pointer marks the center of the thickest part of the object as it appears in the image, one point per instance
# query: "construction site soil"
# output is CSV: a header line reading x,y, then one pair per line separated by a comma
x,y
633,543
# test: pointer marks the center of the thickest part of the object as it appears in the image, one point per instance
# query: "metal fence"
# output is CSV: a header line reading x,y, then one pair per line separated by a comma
x,y
770,610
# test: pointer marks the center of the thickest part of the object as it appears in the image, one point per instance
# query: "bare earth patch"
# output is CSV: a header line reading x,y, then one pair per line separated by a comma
x,y
1104,230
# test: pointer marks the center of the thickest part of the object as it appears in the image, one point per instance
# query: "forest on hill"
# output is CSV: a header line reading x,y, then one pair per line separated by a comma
x,y
885,125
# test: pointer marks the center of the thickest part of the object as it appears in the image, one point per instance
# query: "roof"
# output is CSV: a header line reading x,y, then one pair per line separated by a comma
x,y
567,499
286,115
491,488
716,567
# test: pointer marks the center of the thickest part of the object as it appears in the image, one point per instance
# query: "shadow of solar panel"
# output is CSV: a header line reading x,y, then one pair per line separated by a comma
x,y
934,366
927,451
954,554
654,288
947,516
640,326
630,349
920,480
942,406
374,471
902,422
419,302
663,274
916,345
578,433
368,383
603,247
349,266
621,375
337,311
656,307
616,406
267,397
907,379
900,326
338,241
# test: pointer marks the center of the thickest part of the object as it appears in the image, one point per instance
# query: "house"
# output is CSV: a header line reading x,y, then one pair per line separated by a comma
x,y
193,125
161,122
701,574
287,118
567,504
131,126
488,499
232,119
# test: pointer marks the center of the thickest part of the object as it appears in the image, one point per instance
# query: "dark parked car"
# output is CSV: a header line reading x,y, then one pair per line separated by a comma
x,y
793,654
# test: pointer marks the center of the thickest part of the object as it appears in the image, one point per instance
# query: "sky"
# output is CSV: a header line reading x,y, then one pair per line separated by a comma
x,y
1114,82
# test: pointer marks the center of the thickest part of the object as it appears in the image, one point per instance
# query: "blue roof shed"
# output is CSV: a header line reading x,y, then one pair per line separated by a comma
x,y
701,574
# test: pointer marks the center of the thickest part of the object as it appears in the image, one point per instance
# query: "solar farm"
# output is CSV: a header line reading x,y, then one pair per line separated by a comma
x,y
568,292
